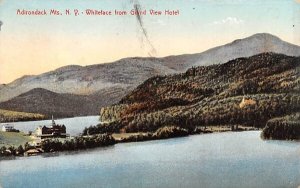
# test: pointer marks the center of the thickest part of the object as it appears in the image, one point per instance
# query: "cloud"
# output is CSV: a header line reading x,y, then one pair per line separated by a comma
x,y
298,1
229,21
159,22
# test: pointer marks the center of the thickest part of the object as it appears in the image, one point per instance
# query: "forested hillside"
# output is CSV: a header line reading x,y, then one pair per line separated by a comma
x,y
283,128
212,95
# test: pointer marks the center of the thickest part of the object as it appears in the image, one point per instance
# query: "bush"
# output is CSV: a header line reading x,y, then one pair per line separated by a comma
x,y
170,132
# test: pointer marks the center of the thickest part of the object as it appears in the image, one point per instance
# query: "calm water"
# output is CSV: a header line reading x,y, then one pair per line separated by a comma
x,y
212,160
74,125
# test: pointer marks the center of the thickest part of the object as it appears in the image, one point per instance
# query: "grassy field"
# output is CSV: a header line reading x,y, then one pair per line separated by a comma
x,y
13,139
11,116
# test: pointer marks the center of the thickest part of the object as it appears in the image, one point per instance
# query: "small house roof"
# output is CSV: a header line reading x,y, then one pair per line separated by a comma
x,y
33,151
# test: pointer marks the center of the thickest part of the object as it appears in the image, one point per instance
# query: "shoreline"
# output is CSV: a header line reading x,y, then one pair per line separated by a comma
x,y
145,136
120,138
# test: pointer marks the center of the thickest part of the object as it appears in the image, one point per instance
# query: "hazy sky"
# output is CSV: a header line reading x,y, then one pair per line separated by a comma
x,y
37,44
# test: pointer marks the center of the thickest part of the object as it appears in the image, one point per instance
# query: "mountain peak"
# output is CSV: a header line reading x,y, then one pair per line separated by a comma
x,y
128,73
264,36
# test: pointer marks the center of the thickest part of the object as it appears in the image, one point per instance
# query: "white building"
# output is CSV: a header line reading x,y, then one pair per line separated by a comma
x,y
8,128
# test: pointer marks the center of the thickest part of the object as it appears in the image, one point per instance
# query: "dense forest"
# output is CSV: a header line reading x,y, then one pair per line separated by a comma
x,y
245,91
283,128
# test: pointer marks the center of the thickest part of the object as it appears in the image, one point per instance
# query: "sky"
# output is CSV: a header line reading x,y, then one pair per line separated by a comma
x,y
31,45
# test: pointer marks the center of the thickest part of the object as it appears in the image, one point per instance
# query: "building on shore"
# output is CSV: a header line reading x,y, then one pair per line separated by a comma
x,y
247,102
54,131
33,152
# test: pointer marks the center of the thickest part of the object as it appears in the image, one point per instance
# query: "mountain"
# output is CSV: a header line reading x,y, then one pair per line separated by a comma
x,y
255,44
245,91
124,75
49,103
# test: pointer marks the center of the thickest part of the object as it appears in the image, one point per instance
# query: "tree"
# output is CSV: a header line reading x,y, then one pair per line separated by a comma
x,y
20,150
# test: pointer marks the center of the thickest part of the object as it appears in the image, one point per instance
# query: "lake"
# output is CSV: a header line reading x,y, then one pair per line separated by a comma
x,y
73,125
232,159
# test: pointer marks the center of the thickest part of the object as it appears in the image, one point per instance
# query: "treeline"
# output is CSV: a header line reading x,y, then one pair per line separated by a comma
x,y
162,133
284,128
12,151
52,145
13,116
102,128
77,143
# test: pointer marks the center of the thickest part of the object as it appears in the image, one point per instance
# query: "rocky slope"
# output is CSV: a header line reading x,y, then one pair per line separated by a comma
x,y
213,95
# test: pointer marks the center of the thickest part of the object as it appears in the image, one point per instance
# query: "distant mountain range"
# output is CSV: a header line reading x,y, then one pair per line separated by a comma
x,y
86,89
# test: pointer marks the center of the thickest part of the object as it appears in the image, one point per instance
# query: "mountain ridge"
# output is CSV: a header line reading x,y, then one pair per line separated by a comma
x,y
122,76
48,103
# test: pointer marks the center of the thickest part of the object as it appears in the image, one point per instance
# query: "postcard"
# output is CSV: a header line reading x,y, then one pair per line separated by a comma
x,y
149,93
